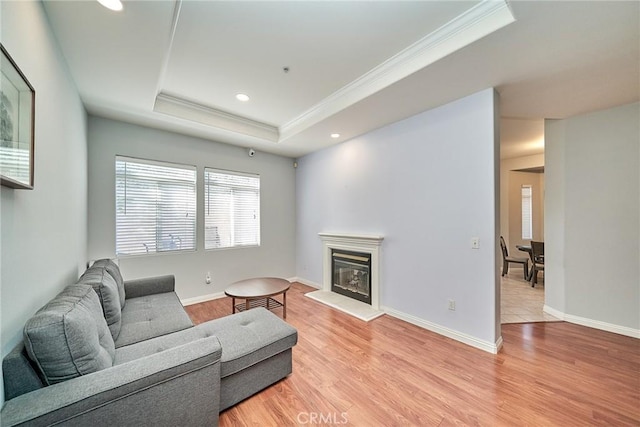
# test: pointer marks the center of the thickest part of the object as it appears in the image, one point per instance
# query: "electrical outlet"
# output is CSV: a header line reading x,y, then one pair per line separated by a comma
x,y
207,278
452,305
475,243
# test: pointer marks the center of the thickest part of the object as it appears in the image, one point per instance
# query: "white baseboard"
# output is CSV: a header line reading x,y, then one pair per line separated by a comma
x,y
209,297
450,333
202,298
305,282
553,312
596,324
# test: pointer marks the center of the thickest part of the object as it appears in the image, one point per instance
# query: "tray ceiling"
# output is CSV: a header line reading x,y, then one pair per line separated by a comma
x,y
352,66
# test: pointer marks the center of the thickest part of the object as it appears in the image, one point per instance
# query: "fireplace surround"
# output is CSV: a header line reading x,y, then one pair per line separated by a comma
x,y
370,245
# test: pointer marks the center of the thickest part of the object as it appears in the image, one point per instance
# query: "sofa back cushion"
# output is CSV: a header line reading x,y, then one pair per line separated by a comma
x,y
107,290
113,269
69,337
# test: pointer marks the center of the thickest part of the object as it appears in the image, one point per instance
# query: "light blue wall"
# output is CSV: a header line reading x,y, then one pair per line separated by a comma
x,y
44,231
428,185
593,217
274,257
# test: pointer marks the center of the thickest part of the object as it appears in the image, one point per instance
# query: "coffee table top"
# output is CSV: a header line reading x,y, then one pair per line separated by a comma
x,y
258,287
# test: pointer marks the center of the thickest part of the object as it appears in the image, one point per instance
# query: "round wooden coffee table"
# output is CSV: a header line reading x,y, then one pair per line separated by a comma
x,y
258,292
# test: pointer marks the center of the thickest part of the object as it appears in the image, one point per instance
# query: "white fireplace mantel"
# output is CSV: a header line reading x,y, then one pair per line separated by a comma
x,y
358,243
352,239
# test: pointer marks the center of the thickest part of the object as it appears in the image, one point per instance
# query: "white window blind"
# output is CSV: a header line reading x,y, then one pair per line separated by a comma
x,y
231,209
155,207
527,219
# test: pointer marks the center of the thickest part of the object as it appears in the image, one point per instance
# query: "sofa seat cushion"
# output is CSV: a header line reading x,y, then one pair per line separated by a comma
x,y
150,316
69,337
250,337
159,344
114,271
107,290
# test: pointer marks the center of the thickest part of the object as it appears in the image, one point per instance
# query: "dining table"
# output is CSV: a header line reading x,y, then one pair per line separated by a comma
x,y
527,249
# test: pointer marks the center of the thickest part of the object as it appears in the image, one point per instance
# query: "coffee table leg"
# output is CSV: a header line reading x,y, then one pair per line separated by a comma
x,y
233,305
284,305
246,304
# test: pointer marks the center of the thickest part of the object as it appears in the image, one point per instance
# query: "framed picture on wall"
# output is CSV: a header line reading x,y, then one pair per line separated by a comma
x,y
17,110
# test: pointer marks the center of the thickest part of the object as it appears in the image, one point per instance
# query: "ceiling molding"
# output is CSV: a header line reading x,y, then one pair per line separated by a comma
x,y
165,61
188,110
479,21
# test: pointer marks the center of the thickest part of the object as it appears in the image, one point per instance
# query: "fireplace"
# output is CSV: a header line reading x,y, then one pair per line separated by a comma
x,y
352,262
351,274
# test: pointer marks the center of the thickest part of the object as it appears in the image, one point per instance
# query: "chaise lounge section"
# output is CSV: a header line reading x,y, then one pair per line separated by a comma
x,y
105,351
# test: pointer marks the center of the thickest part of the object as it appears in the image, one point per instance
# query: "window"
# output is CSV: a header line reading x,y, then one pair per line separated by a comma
x,y
231,209
155,207
527,221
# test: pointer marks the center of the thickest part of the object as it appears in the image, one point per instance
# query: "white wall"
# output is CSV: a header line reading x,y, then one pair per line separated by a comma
x,y
275,256
554,272
593,217
428,185
44,231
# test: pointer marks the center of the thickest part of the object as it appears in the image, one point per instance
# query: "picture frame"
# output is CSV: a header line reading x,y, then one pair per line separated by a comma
x,y
17,125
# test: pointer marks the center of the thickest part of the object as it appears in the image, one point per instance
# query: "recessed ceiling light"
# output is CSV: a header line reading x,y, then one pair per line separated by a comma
x,y
242,97
335,135
111,4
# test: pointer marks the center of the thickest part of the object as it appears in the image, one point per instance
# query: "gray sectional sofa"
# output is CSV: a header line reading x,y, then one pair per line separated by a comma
x,y
111,352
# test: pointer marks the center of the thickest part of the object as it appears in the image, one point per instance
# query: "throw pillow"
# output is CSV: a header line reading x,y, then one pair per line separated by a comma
x,y
113,269
107,291
69,337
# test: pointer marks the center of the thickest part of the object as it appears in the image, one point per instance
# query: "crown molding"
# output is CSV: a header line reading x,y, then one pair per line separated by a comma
x,y
189,110
167,54
479,21
192,111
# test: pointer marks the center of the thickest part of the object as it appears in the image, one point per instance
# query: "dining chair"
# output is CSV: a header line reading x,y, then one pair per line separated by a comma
x,y
537,259
506,260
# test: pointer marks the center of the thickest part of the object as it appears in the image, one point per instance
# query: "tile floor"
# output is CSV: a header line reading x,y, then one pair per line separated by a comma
x,y
520,303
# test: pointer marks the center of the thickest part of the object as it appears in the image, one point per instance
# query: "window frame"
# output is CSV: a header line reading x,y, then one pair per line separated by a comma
x,y
190,199
529,217
206,208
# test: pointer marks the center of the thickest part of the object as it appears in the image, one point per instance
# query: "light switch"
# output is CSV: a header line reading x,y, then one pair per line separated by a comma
x,y
475,243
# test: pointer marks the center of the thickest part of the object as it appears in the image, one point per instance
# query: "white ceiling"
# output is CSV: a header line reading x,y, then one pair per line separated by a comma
x,y
521,137
353,66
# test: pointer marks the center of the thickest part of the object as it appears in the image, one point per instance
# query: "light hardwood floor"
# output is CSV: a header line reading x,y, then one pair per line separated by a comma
x,y
519,302
388,372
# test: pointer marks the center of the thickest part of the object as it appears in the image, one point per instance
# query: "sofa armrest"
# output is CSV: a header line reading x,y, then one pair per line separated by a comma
x,y
179,386
149,286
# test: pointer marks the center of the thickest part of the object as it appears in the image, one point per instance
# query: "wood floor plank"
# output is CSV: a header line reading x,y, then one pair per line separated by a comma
x,y
388,372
